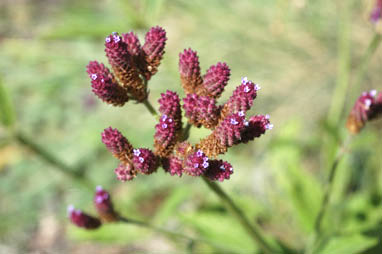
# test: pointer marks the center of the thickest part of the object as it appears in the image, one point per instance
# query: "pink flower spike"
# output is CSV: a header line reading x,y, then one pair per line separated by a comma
x,y
196,163
189,70
104,206
173,165
117,144
145,161
125,172
81,219
215,80
219,170
257,125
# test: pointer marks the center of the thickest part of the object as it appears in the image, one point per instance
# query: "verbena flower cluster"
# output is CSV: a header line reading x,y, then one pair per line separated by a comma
x,y
133,65
367,107
104,207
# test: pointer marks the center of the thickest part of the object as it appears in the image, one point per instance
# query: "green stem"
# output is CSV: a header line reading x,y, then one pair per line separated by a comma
x,y
150,107
253,230
186,131
360,72
51,159
167,232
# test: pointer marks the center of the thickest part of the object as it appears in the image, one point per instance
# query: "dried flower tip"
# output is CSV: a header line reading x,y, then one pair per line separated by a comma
x,y
241,99
165,136
201,110
124,67
145,161
215,80
81,219
170,106
189,70
105,86
117,144
196,163
367,107
173,165
125,172
219,170
155,41
104,206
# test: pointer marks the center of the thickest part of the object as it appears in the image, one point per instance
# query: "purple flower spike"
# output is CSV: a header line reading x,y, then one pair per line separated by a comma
x,y
165,136
117,144
105,86
155,41
189,70
133,45
201,110
196,163
255,127
367,107
170,106
219,170
376,13
125,172
228,132
173,165
104,206
241,99
82,220
145,161
215,80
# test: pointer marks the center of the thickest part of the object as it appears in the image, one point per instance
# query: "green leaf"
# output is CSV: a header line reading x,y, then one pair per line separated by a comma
x,y
7,117
348,244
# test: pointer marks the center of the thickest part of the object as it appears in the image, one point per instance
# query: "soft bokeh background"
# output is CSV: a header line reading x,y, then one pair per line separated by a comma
x,y
303,53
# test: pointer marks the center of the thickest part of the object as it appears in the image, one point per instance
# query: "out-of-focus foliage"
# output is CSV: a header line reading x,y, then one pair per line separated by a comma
x,y
291,48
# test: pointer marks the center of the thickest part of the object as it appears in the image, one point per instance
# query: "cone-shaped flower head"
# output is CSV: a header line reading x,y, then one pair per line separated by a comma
x,y
165,136
117,144
133,45
145,161
215,80
241,99
173,165
255,127
367,107
219,170
170,106
196,163
124,67
376,13
155,41
105,86
104,206
125,172
189,70
81,219
201,110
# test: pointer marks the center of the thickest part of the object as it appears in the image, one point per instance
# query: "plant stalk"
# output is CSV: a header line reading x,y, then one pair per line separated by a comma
x,y
253,230
150,107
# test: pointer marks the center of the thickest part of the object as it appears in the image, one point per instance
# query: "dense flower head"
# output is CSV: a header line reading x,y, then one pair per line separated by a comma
x,y
145,161
133,45
242,98
165,136
104,205
219,170
376,13
228,132
215,80
196,163
201,110
116,50
125,172
117,144
189,70
169,105
255,127
155,41
81,219
173,165
367,107
105,86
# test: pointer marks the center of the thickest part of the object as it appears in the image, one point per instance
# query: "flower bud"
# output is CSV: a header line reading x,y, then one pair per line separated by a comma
x,y
105,86
173,165
155,41
104,206
145,161
170,106
201,110
215,80
219,170
117,144
82,220
255,127
196,163
165,136
189,70
125,172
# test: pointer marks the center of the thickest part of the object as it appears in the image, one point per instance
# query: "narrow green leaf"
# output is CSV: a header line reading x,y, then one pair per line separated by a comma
x,y
7,117
349,245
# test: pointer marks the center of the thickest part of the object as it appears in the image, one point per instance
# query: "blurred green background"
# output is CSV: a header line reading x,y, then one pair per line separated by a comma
x,y
303,53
